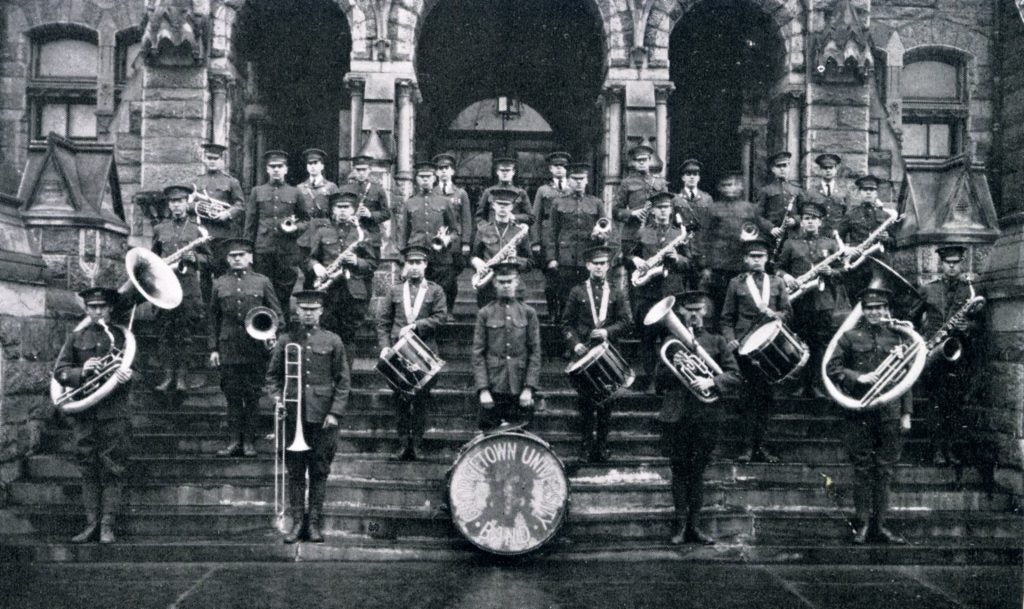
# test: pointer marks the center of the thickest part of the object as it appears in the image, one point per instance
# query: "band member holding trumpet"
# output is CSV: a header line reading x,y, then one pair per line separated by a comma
x,y
506,356
223,220
750,299
496,240
543,202
242,359
176,326
413,306
462,208
595,312
690,424
308,377
427,219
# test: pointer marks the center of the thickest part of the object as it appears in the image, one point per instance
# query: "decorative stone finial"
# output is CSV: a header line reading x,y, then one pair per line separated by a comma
x,y
842,52
174,35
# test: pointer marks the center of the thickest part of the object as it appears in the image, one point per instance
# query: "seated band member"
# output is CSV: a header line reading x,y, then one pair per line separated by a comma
x,y
102,432
873,437
242,359
177,326
595,312
506,355
413,305
752,298
689,427
493,235
325,386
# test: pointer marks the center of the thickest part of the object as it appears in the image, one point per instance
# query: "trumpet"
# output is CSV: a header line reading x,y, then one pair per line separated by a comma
x,y
206,206
261,323
697,363
442,239
602,229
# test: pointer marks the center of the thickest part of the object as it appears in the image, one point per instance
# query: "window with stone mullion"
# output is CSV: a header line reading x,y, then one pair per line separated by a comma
x,y
62,82
935,106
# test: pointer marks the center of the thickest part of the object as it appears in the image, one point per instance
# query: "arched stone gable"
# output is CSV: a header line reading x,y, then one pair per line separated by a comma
x,y
358,13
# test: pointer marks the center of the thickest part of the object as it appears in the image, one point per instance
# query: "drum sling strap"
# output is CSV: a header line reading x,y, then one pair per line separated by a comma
x,y
760,297
412,309
598,314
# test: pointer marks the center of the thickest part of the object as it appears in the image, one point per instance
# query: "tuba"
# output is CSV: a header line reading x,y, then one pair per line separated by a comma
x,y
207,207
261,323
102,383
698,362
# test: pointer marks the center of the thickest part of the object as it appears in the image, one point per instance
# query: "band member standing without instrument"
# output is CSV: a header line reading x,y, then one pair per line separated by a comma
x,y
829,194
323,392
948,380
242,360
415,305
572,230
221,186
691,200
506,354
275,216
373,208
752,298
494,235
428,220
595,312
813,317
873,437
651,240
543,203
779,200
102,432
630,207
462,209
176,326
505,171
690,427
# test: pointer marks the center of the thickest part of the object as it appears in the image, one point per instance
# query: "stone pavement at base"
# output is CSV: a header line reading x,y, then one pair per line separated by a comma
x,y
478,585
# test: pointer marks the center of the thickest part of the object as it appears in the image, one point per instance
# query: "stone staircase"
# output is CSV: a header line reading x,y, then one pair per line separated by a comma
x,y
184,503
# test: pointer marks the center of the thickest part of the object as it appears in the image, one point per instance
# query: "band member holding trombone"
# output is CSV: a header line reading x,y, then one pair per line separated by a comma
x,y
102,432
225,220
241,358
176,326
497,239
595,312
308,377
415,305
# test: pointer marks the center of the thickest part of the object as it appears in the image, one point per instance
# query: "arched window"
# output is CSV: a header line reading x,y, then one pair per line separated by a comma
x,y
129,42
933,87
62,82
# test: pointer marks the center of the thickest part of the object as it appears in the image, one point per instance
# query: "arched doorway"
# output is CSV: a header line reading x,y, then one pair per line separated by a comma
x,y
726,58
515,63
299,53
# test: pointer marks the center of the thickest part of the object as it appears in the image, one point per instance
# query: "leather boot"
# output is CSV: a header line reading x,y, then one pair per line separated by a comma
x,y
413,446
91,502
586,448
166,381
860,535
600,453
297,507
181,382
317,491
248,448
883,534
231,450
111,503
403,448
315,535
693,534
679,538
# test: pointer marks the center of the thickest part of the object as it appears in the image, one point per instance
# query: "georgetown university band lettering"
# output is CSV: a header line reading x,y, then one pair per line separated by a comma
x,y
704,306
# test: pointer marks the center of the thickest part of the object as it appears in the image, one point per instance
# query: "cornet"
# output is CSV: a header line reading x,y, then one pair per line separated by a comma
x,y
207,207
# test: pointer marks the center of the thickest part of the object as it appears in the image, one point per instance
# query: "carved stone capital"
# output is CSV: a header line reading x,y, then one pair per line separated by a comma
x,y
662,91
613,93
842,51
355,84
174,35
221,82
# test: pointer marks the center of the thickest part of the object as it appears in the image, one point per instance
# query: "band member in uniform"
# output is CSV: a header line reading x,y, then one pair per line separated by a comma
x,y
346,297
427,219
242,359
462,208
829,194
176,326
506,354
873,437
691,199
779,200
860,221
543,202
505,171
493,235
629,207
569,232
947,382
652,239
325,386
317,189
275,216
413,305
689,427
752,298
222,186
813,318
373,208
102,432
595,312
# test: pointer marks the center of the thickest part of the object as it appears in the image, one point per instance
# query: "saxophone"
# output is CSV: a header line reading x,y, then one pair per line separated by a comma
x,y
336,268
483,276
951,347
870,245
655,264
175,257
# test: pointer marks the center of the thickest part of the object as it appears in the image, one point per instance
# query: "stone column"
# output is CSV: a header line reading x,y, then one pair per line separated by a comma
x,y
105,85
219,110
356,86
794,117
661,94
405,131
612,139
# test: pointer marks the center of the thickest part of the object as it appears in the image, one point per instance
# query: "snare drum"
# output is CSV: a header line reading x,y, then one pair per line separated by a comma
x,y
508,492
773,352
410,367
600,373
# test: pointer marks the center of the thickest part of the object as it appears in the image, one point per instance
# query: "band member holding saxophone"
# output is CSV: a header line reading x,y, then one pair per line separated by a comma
x,y
595,312
505,171
175,327
689,426
373,208
223,221
543,202
501,235
102,432
630,208
506,354
427,219
242,359
321,386
779,201
276,214
751,298
462,209
873,438
415,305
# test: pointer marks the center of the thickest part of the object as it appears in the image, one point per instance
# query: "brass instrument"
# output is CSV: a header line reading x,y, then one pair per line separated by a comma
x,y
290,224
292,394
602,229
812,278
645,212
942,343
655,265
483,276
261,323
362,200
782,226
336,268
748,231
442,239
870,245
175,257
206,206
104,379
697,362
150,277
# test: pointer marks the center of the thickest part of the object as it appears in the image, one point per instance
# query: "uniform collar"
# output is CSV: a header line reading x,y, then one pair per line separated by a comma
x,y
240,273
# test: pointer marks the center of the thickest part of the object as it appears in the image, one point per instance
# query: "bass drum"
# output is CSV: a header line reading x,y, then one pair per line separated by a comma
x,y
508,493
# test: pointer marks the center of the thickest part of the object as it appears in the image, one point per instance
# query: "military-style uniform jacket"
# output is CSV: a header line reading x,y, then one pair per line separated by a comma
x,y
543,203
835,204
269,204
680,401
329,241
234,294
695,215
690,205
740,314
430,317
168,237
652,238
458,199
773,200
506,347
858,223
419,220
633,192
223,187
318,196
325,375
578,318
721,243
490,238
81,346
942,299
860,350
567,235
799,254
375,198
520,207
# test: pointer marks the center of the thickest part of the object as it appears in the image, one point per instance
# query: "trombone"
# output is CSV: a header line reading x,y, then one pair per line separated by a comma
x,y
292,394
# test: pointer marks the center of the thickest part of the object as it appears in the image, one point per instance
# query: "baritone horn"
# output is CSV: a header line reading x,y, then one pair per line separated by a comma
x,y
697,362
261,323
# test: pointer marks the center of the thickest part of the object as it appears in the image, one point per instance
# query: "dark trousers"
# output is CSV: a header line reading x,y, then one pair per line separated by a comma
x,y
595,420
242,386
316,462
947,395
280,268
689,445
446,276
177,327
816,329
102,447
506,408
218,266
756,404
650,336
344,315
554,299
410,414
874,445
716,288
